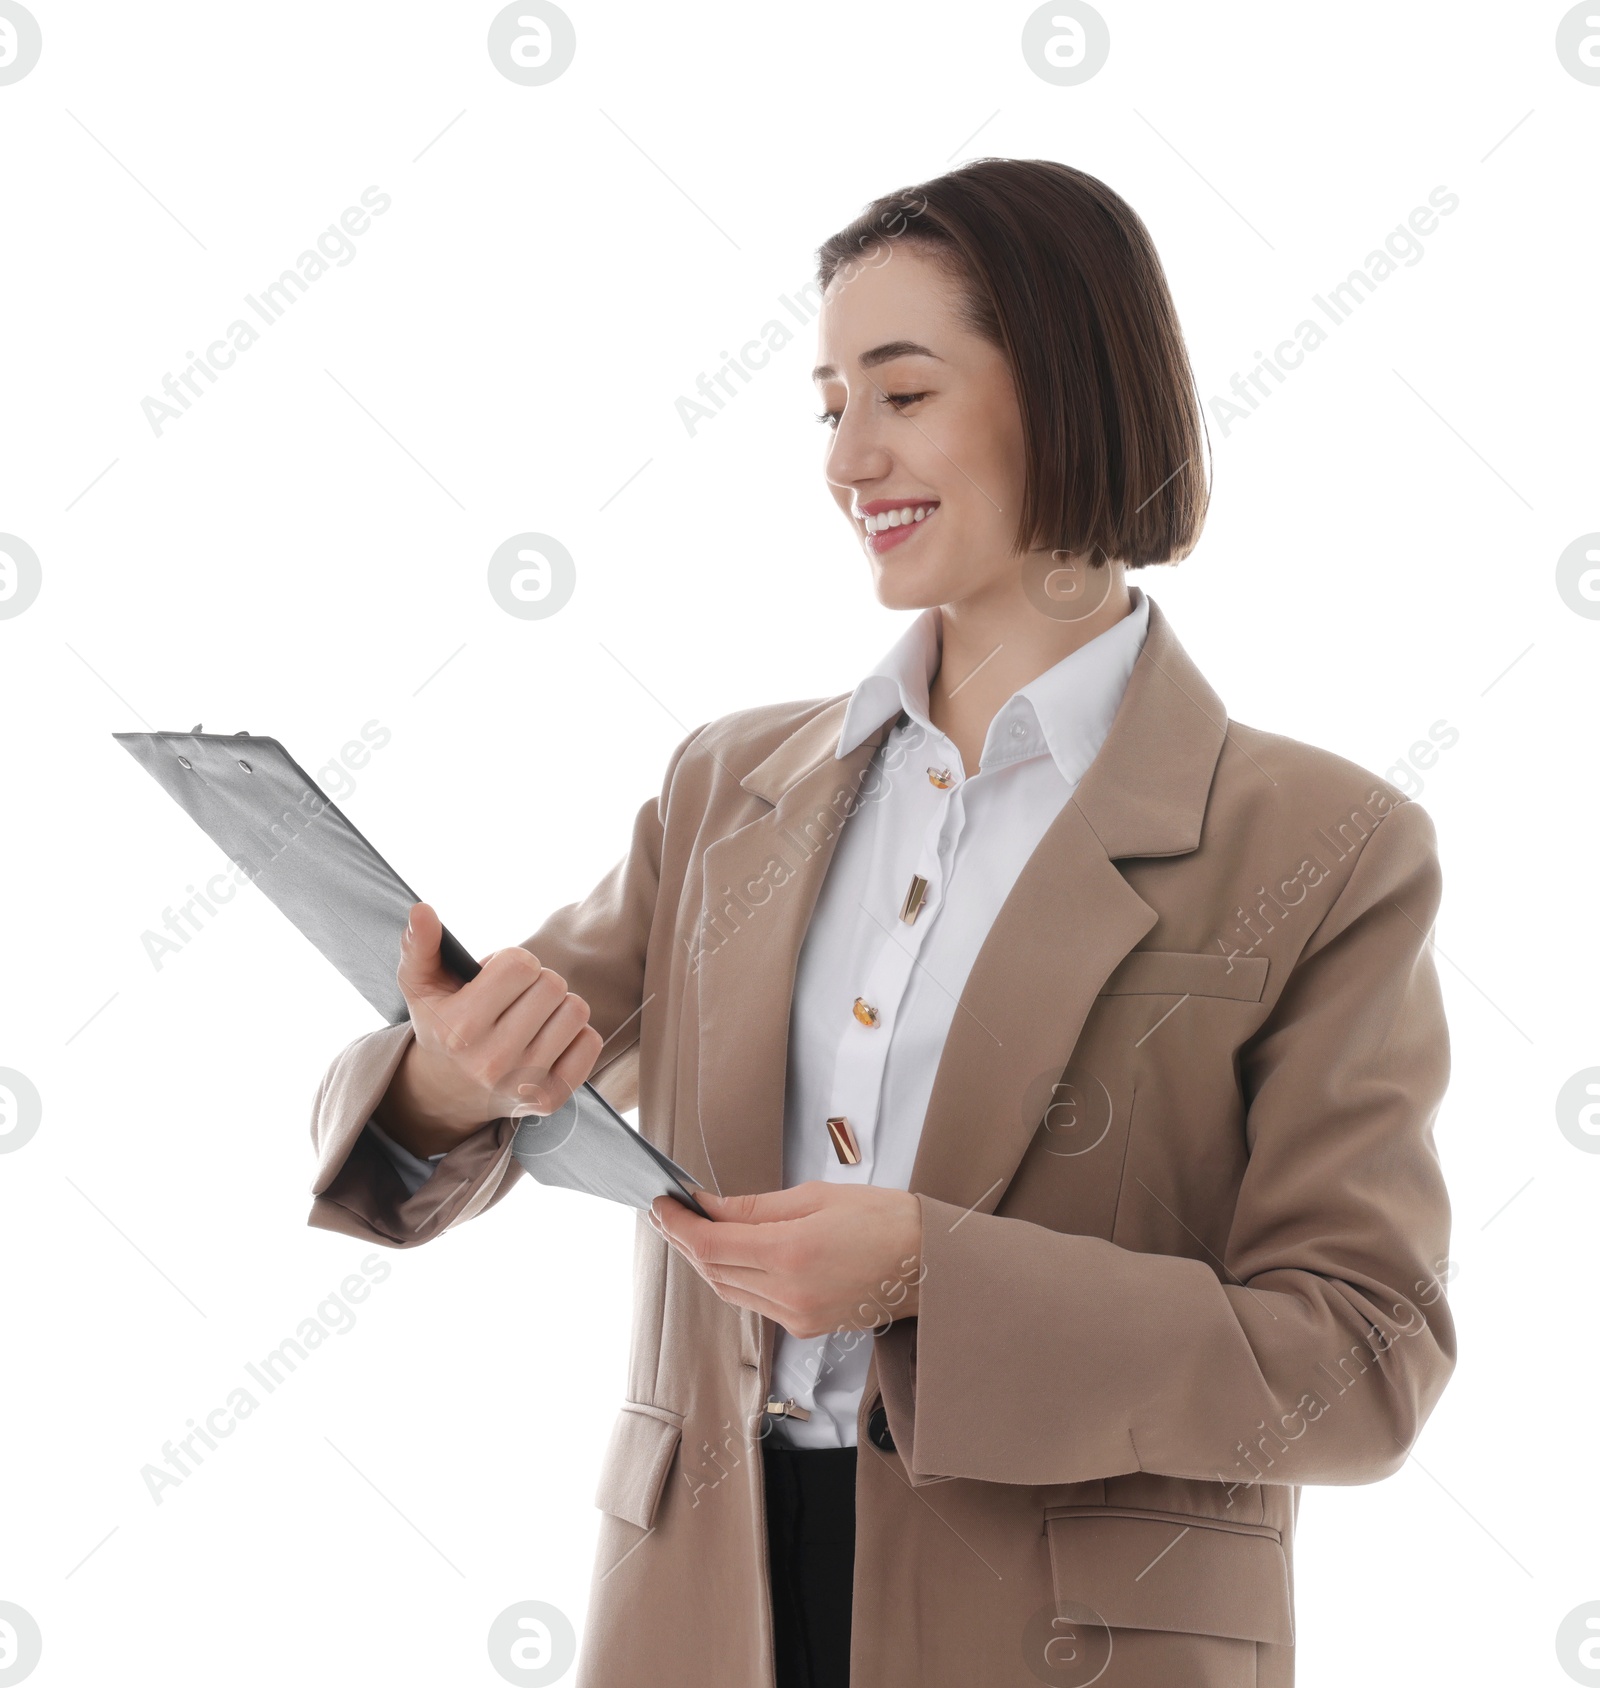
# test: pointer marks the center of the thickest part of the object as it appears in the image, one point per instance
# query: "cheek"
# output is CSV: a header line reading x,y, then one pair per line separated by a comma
x,y
983,467
1007,457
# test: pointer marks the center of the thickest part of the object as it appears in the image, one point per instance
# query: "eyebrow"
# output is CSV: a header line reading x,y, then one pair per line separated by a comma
x,y
885,353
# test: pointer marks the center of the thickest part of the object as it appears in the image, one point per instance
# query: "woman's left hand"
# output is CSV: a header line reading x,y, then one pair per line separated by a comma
x,y
816,1258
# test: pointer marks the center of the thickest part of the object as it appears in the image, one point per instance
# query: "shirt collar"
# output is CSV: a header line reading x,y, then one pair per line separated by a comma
x,y
1070,706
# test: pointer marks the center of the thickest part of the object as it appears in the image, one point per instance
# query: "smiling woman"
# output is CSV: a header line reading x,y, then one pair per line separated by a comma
x,y
1053,1243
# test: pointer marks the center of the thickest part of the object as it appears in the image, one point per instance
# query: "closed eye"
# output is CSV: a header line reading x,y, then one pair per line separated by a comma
x,y
898,400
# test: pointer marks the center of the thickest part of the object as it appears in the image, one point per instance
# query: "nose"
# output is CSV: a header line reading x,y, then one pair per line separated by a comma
x,y
856,455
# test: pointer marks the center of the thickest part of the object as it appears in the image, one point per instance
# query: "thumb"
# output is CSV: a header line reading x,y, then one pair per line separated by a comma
x,y
421,972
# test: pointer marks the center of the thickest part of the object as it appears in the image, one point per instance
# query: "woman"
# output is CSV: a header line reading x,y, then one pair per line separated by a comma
x,y
1061,1055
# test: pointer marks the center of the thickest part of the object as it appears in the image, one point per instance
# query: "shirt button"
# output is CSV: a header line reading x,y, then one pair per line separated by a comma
x,y
915,896
941,777
1019,729
845,1146
865,1012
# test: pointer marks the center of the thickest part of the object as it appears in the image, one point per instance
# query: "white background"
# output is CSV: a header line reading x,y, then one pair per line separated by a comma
x,y
305,551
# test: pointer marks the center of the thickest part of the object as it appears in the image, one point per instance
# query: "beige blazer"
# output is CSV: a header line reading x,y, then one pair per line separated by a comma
x,y
1184,1220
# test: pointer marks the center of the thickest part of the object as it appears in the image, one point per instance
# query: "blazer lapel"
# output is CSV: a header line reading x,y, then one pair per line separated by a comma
x,y
761,884
1070,918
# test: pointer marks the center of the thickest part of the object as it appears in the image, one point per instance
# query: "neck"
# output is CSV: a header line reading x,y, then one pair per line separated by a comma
x,y
993,646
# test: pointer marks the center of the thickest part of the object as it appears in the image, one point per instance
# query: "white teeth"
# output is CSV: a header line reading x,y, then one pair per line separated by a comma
x,y
902,517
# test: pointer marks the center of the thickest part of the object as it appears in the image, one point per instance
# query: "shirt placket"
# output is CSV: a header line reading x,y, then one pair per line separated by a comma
x,y
895,945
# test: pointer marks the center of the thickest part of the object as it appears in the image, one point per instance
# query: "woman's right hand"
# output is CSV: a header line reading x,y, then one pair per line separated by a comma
x,y
514,1040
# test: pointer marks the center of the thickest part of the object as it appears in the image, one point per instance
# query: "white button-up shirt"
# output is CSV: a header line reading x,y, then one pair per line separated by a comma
x,y
968,836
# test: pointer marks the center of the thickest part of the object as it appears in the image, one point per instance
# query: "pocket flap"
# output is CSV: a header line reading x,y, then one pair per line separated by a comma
x,y
1242,978
1169,1570
643,1441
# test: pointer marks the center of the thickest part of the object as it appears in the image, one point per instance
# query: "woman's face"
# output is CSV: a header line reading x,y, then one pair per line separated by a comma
x,y
923,417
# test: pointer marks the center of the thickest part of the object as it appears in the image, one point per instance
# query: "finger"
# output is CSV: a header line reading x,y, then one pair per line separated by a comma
x,y
755,1302
677,1222
762,1248
421,973
538,992
748,1280
542,1050
768,1206
740,1286
574,1067
754,1291
501,1009
553,1039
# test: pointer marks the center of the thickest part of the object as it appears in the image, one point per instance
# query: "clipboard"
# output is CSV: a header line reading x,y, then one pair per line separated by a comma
x,y
294,843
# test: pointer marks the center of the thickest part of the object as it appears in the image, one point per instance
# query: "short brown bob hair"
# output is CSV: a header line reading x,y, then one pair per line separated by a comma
x,y
1061,275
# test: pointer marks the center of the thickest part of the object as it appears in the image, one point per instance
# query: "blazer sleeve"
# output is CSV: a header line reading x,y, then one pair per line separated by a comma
x,y
1314,1351
599,946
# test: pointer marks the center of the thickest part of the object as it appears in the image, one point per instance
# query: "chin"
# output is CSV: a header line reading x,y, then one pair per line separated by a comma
x,y
896,592
902,586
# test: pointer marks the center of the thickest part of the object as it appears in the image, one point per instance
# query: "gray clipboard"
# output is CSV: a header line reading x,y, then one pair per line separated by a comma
x,y
290,839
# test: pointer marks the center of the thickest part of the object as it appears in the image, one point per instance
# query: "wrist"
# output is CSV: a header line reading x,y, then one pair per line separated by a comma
x,y
422,1112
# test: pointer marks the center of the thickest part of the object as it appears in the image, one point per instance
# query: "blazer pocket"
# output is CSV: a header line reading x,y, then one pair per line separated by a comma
x,y
1241,978
1172,1571
637,1460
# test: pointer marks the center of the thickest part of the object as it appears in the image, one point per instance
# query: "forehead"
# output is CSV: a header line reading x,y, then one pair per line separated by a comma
x,y
905,295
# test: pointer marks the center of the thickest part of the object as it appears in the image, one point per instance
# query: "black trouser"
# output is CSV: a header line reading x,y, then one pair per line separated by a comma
x,y
811,1550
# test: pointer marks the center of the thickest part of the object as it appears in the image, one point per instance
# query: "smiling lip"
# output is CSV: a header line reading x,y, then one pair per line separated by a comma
x,y
887,538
